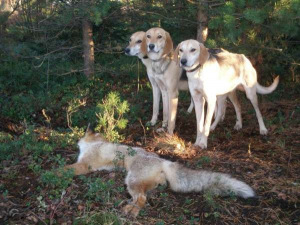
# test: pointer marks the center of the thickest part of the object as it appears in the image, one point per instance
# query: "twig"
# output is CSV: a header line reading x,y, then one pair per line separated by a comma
x,y
143,130
38,218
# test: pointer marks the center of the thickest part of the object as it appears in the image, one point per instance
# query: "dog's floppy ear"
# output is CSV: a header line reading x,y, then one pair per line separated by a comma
x,y
168,45
203,54
144,46
176,54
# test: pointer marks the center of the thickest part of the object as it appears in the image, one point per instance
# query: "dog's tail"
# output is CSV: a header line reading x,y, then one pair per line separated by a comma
x,y
267,90
182,179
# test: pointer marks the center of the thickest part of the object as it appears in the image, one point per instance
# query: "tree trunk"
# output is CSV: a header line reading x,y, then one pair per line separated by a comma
x,y
202,28
88,48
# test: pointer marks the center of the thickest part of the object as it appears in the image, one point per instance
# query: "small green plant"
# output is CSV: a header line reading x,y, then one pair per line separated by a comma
x,y
5,137
281,143
194,220
99,190
119,160
202,161
105,218
228,134
57,183
188,201
209,199
110,117
73,106
131,151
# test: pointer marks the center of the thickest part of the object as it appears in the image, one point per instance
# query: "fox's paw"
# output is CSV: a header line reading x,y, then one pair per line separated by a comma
x,y
132,210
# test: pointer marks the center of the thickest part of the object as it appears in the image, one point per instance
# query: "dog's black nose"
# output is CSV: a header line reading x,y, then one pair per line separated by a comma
x,y
151,46
183,61
127,50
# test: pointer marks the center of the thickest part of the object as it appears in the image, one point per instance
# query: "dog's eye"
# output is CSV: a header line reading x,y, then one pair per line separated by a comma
x,y
159,36
180,50
130,40
148,36
139,41
193,49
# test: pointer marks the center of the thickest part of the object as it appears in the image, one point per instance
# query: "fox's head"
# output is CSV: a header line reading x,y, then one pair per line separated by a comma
x,y
91,136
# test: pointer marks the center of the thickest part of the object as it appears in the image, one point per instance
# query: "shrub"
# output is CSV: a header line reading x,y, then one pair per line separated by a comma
x,y
110,116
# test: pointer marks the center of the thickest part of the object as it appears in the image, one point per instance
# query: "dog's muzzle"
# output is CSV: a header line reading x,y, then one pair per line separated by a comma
x,y
151,47
127,51
183,62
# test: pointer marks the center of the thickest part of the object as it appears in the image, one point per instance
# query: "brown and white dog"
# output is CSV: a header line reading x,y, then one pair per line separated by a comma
x,y
158,88
158,45
211,76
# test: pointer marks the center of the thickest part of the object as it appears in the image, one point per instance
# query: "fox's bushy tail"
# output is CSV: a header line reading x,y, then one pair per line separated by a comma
x,y
267,90
182,179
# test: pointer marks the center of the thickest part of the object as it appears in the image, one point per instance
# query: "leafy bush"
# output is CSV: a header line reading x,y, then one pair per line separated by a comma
x,y
110,117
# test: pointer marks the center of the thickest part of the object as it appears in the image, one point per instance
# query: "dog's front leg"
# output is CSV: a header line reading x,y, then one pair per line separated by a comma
x,y
165,108
211,104
156,99
173,103
199,110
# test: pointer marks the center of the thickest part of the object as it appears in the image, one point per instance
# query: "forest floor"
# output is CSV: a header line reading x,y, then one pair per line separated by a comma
x,y
270,164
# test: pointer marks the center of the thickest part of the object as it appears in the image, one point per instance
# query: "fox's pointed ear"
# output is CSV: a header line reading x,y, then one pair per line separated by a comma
x,y
203,54
168,45
88,130
144,46
176,54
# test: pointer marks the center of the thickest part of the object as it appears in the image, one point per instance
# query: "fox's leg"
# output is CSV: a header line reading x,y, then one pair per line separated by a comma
x,y
138,189
79,168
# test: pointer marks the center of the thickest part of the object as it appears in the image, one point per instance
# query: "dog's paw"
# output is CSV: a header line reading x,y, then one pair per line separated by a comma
x,y
238,126
150,123
263,131
212,127
201,142
203,145
131,210
190,109
161,130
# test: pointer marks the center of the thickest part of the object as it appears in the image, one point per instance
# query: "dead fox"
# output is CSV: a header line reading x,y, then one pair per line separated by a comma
x,y
145,171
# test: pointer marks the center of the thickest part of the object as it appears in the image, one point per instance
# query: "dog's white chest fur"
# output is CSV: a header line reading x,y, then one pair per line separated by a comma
x,y
196,80
161,66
